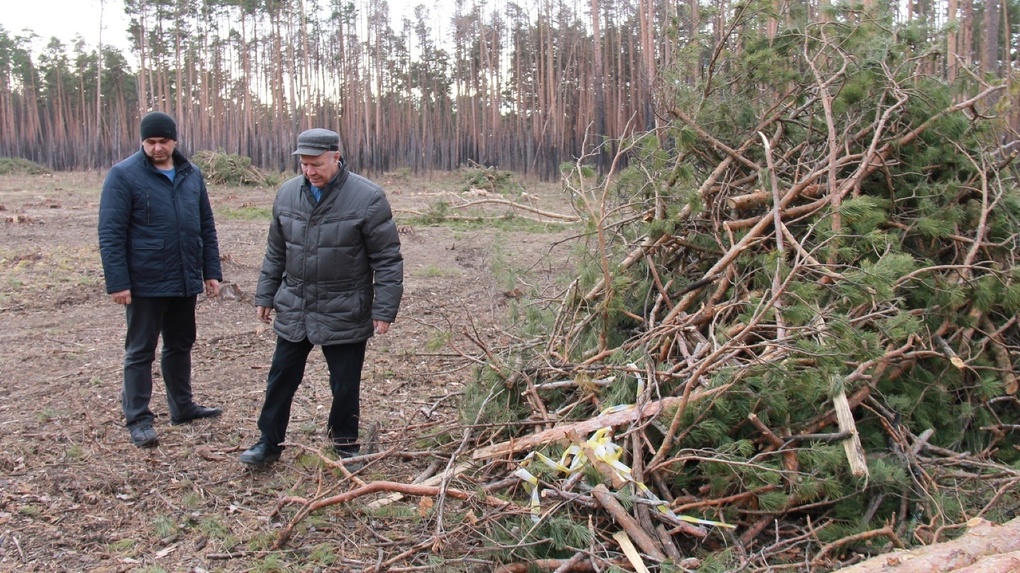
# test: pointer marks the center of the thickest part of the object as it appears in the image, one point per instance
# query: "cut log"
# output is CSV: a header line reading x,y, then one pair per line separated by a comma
x,y
982,540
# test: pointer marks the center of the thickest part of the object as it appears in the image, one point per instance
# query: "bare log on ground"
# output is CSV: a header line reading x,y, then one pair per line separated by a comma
x,y
982,540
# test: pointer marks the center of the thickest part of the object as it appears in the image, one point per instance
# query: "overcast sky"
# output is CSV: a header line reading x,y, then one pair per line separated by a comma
x,y
67,18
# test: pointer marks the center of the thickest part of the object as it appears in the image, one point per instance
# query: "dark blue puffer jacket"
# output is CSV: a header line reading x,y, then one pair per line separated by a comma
x,y
157,238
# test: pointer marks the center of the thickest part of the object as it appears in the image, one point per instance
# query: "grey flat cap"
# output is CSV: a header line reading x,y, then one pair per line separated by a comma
x,y
316,142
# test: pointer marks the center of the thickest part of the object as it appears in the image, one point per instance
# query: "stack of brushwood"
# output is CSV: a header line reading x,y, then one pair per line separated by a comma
x,y
222,168
793,340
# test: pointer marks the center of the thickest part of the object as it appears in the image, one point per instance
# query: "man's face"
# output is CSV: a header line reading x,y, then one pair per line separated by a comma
x,y
320,169
159,149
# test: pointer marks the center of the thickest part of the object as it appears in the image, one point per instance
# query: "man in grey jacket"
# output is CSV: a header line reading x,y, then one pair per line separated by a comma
x,y
334,274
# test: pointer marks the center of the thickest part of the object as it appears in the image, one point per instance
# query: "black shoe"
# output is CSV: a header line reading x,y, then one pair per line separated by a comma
x,y
347,451
143,436
260,454
195,413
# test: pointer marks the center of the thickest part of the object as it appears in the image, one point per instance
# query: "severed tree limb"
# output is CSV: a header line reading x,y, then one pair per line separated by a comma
x,y
635,256
667,544
1001,355
583,566
883,532
312,505
755,198
790,463
337,464
521,206
486,218
876,157
704,191
706,364
734,499
560,433
852,445
434,480
644,541
948,351
735,154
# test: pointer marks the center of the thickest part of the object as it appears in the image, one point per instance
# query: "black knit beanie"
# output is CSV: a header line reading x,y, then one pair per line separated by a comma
x,y
158,124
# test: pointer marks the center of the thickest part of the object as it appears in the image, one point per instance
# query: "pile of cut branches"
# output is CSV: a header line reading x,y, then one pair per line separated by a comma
x,y
790,344
794,341
223,168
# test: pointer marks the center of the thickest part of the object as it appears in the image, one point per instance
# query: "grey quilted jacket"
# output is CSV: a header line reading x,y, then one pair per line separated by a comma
x,y
334,266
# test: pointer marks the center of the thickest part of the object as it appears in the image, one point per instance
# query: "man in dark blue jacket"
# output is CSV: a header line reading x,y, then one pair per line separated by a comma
x,y
158,244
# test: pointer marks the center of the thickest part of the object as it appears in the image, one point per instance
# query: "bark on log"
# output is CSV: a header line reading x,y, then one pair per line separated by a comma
x,y
1001,563
982,541
751,200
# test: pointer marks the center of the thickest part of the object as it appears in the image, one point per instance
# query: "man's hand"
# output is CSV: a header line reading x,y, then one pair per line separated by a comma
x,y
212,288
121,297
264,313
381,326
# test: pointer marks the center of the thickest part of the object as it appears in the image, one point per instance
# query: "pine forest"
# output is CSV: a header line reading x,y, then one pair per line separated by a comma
x,y
523,86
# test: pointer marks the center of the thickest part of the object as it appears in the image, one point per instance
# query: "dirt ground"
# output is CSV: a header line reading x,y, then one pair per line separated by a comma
x,y
75,495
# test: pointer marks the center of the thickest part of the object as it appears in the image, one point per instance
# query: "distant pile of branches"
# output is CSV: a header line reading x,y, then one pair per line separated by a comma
x,y
18,166
795,340
230,169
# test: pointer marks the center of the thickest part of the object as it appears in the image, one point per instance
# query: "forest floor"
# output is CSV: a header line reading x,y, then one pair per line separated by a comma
x,y
75,495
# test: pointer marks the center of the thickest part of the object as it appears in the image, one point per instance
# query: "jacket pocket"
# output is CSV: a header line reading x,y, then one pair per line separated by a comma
x,y
147,261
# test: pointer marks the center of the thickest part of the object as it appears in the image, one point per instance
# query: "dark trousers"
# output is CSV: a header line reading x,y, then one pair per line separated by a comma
x,y
147,319
344,361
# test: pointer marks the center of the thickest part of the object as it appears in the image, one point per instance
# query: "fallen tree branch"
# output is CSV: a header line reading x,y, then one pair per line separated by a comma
x,y
616,418
644,541
311,505
556,565
528,208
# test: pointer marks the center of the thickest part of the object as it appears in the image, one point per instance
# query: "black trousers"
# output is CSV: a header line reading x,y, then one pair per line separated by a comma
x,y
147,319
288,369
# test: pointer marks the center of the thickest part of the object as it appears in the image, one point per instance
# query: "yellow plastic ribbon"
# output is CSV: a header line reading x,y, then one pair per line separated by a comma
x,y
573,460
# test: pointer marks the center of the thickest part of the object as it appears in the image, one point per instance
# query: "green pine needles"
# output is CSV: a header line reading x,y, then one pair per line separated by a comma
x,y
865,255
